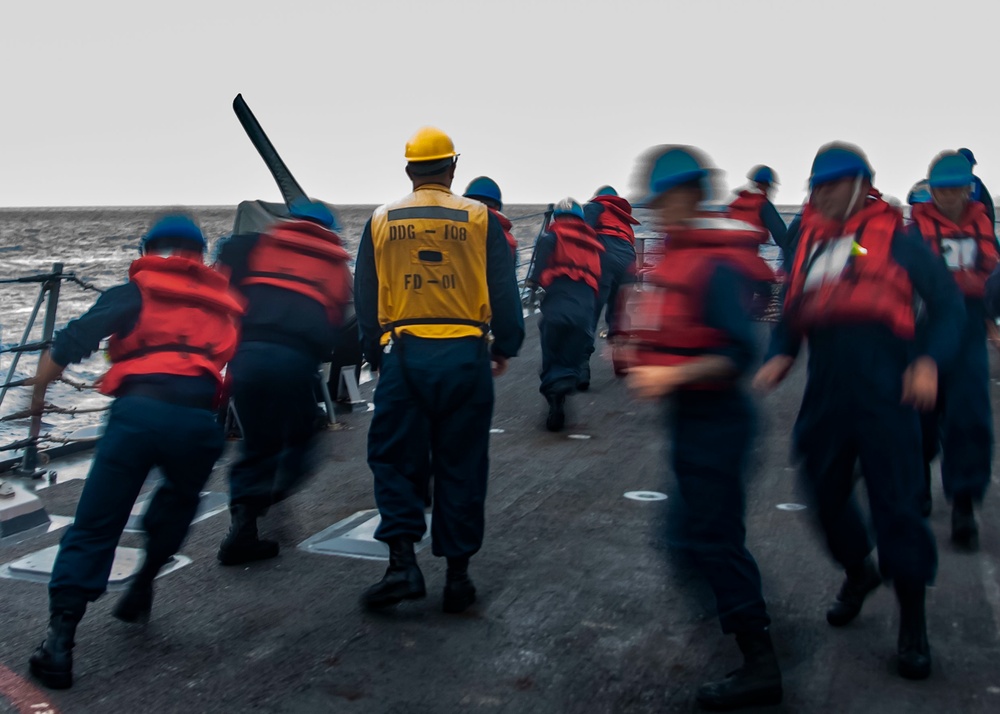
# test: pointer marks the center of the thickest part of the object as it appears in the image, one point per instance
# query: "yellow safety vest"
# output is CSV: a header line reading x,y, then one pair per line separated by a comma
x,y
430,257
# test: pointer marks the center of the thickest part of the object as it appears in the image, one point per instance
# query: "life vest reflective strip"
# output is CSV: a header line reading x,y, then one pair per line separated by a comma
x,y
306,258
187,326
667,318
746,207
430,258
832,282
616,219
577,253
507,225
969,248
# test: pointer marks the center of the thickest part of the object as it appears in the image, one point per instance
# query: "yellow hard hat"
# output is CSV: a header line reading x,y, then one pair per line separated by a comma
x,y
429,144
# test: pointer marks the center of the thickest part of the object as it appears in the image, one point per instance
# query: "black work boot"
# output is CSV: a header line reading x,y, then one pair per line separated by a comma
x,y
241,544
861,580
913,648
459,591
402,580
557,412
756,683
137,602
52,662
964,529
584,384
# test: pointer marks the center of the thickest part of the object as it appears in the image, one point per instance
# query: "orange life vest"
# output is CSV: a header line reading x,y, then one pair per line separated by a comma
x,y
616,219
844,272
188,324
968,248
306,258
577,253
667,318
507,225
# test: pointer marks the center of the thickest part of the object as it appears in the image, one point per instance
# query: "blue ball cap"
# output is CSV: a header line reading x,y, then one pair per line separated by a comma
x,y
567,207
177,226
309,210
836,161
968,155
606,191
949,171
762,174
672,168
484,187
920,193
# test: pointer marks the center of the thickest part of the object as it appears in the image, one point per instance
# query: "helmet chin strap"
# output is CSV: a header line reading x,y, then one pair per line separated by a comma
x,y
854,197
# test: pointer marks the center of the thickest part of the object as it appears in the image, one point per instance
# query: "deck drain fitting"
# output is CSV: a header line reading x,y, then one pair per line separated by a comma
x,y
579,436
646,495
790,507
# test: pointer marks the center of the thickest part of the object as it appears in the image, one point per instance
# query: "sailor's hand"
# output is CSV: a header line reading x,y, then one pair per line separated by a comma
x,y
499,365
920,384
653,381
772,372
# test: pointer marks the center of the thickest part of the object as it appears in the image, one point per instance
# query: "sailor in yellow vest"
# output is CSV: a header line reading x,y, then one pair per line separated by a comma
x,y
437,302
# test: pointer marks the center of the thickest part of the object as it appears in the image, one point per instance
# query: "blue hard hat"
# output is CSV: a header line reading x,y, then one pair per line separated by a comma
x,y
606,191
968,155
836,161
178,226
315,211
950,170
484,187
672,168
762,174
567,207
920,193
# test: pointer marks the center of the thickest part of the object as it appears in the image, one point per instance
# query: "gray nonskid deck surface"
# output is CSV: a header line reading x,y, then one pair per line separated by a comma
x,y
578,611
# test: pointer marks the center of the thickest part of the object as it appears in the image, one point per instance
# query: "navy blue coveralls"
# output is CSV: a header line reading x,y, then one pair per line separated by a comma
x,y
433,409
852,410
617,269
711,432
285,336
962,422
566,326
159,420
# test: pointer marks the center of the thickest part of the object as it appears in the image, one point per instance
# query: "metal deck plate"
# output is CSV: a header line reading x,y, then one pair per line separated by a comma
x,y
37,567
354,537
21,512
211,503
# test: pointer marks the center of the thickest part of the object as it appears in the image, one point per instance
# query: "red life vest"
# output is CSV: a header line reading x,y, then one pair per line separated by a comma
x,y
969,247
746,207
507,225
577,254
667,318
188,325
832,283
306,258
616,218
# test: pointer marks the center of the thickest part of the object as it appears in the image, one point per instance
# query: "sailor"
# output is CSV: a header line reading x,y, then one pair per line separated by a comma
x,y
610,215
172,329
568,268
435,280
979,191
958,230
690,338
850,292
297,284
486,191
753,205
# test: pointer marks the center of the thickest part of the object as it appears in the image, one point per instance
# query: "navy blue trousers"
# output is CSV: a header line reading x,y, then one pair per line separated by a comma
x,y
711,433
566,328
142,433
433,409
273,387
841,424
962,423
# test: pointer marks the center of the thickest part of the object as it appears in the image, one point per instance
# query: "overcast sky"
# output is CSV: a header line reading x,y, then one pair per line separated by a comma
x,y
110,102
